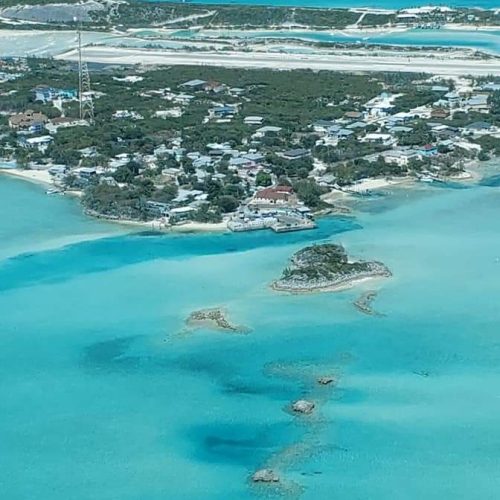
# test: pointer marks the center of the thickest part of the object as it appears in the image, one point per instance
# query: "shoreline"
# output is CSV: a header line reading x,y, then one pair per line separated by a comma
x,y
159,226
40,177
342,285
326,268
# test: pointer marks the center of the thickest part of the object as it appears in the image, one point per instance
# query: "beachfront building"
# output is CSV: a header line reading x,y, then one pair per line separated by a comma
x,y
181,214
275,195
400,157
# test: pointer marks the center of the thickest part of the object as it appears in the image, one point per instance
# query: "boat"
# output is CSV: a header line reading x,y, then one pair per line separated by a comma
x,y
426,178
54,191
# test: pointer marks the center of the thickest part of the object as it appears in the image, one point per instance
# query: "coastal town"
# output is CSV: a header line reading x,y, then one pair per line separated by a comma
x,y
240,150
250,249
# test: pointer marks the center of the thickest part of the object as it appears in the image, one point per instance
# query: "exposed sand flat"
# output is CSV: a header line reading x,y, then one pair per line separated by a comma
x,y
160,225
364,60
378,183
38,176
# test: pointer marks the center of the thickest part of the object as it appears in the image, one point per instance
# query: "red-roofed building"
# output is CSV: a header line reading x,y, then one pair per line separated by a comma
x,y
275,195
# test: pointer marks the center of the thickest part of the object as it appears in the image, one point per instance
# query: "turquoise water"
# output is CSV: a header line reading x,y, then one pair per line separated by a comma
x,y
487,40
53,43
379,4
32,220
104,396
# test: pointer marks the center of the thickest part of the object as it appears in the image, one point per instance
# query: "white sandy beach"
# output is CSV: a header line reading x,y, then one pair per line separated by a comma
x,y
37,176
379,183
161,225
347,285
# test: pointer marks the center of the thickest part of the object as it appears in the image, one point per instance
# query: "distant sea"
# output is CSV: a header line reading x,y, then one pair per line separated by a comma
x,y
345,4
105,395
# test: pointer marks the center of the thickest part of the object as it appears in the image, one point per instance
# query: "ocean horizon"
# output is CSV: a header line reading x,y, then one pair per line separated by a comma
x,y
105,393
347,4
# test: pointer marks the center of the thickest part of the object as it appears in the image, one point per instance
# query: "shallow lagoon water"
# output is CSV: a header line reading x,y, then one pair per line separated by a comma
x,y
484,40
52,43
105,395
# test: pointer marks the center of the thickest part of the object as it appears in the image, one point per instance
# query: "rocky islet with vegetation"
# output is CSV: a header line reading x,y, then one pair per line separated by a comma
x,y
325,267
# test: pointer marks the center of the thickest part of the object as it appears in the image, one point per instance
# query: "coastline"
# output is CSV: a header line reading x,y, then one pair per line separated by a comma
x,y
326,268
188,227
340,286
40,177
43,179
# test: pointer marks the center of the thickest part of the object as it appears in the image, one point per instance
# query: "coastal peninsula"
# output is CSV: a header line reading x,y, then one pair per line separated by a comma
x,y
326,268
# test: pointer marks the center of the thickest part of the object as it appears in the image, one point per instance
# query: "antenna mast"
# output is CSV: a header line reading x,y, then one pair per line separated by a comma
x,y
84,92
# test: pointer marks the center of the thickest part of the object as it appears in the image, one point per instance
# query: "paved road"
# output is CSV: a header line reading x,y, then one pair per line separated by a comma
x,y
357,62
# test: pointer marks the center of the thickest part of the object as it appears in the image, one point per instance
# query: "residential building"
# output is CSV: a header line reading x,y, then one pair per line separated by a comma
x,y
194,84
295,154
275,195
28,119
440,113
49,94
253,120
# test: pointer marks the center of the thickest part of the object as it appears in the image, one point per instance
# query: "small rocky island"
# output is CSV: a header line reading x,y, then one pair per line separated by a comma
x,y
325,267
214,318
303,406
265,476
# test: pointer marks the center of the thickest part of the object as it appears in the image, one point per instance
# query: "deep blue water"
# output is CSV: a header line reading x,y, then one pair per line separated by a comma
x,y
104,394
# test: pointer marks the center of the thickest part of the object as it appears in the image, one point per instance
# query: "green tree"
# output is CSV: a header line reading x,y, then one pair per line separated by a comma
x,y
263,179
227,203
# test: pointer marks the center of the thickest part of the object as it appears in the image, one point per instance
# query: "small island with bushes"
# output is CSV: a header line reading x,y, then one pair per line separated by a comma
x,y
215,319
326,267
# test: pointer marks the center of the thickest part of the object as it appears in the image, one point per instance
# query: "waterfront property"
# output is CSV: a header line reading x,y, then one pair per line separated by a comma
x,y
223,156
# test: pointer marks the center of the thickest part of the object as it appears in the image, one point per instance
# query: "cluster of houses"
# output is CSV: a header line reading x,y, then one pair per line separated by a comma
x,y
378,123
12,68
33,123
270,205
